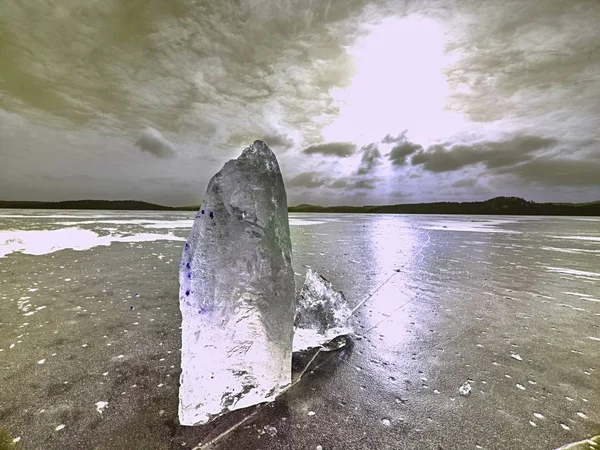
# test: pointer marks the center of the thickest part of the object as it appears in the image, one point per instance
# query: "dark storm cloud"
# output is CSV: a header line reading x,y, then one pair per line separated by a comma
x,y
402,148
389,139
204,70
275,140
465,182
401,151
447,158
362,184
228,62
557,172
152,141
350,183
339,149
307,180
340,183
370,159
278,140
517,62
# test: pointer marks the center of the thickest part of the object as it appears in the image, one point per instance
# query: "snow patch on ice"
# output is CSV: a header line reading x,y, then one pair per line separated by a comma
x,y
299,222
581,273
488,226
43,242
100,406
579,238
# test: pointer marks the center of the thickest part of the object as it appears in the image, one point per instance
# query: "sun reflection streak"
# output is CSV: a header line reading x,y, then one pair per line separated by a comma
x,y
393,243
394,247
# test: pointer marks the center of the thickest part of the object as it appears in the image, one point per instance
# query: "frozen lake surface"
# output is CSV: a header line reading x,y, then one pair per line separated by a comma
x,y
89,337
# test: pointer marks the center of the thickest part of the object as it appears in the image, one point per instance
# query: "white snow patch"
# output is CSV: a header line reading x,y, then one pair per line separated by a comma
x,y
43,242
100,406
300,222
145,223
566,271
579,238
488,226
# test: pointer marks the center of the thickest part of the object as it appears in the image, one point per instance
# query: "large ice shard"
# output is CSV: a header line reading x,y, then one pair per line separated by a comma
x,y
322,314
237,291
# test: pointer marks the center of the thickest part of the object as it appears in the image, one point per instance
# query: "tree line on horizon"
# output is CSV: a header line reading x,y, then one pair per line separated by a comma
x,y
494,206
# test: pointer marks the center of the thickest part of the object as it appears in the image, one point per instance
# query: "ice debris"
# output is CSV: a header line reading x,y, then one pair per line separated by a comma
x,y
586,444
465,389
271,430
100,406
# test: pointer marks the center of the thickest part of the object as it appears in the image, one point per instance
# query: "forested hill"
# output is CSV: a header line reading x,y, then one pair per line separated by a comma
x,y
494,206
94,204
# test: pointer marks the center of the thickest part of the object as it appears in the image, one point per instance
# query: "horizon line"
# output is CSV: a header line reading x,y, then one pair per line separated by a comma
x,y
304,204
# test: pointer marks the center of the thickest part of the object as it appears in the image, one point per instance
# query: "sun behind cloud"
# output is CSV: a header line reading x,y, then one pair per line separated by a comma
x,y
399,84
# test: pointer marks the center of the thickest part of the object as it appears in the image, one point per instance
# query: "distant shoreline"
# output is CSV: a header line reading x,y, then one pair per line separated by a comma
x,y
494,206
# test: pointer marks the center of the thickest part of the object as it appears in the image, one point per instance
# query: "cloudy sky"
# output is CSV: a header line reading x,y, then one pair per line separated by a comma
x,y
363,102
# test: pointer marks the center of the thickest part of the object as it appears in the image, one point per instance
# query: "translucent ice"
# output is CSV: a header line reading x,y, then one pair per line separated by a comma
x,y
587,444
237,291
322,313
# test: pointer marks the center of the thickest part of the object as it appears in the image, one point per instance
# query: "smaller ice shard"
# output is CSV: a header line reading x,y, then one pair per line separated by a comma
x,y
322,313
587,444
